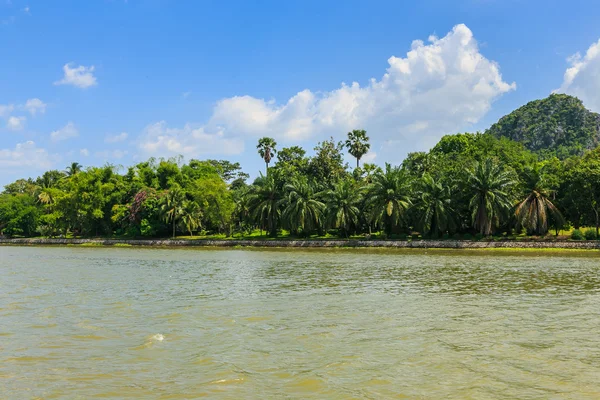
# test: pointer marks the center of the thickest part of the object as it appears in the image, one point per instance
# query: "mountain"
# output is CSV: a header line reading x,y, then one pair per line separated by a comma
x,y
558,125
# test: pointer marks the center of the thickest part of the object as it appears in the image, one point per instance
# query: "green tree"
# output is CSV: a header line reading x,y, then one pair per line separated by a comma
x,y
303,211
489,187
172,206
191,216
434,205
264,203
389,197
358,144
73,169
266,150
342,206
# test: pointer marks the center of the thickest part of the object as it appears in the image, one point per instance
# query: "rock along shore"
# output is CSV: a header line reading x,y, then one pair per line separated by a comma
x,y
415,244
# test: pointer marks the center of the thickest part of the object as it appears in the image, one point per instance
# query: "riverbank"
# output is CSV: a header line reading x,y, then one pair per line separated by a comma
x,y
338,243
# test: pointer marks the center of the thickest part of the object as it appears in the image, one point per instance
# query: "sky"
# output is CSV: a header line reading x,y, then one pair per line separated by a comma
x,y
119,81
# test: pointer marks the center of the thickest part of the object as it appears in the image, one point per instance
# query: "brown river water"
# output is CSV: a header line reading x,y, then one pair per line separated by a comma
x,y
121,323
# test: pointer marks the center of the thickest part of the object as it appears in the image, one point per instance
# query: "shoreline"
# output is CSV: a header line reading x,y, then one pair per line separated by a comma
x,y
307,243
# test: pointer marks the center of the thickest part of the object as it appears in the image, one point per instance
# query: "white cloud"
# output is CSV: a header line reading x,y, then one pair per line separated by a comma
x,y
25,155
6,109
185,95
116,138
160,140
84,152
26,9
66,132
16,123
115,154
582,78
369,157
438,88
34,106
81,76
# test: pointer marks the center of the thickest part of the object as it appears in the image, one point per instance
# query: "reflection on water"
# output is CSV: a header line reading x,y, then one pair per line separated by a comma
x,y
182,324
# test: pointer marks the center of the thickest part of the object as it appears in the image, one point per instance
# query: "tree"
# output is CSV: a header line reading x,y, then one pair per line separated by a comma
x,y
358,144
327,166
434,205
303,211
389,197
264,203
535,209
191,216
342,206
73,169
266,149
172,206
489,187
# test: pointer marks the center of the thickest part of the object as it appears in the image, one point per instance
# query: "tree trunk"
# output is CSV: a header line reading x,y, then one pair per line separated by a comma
x,y
357,161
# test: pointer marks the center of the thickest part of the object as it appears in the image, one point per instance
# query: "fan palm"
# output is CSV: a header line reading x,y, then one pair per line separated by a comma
x,y
489,187
264,202
357,144
172,206
342,206
533,211
303,211
388,197
434,205
266,150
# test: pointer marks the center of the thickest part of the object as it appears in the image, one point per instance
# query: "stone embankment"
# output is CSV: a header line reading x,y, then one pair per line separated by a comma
x,y
415,244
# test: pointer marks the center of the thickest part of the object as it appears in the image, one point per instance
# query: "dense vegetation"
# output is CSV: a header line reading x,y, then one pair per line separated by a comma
x,y
467,185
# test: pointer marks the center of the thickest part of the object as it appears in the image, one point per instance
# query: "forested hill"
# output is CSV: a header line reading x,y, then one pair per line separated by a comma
x,y
558,125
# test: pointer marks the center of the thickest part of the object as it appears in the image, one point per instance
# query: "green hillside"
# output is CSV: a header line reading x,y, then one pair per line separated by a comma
x,y
558,125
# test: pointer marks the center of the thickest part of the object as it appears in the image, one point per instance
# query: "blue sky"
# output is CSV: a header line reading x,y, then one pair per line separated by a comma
x,y
119,81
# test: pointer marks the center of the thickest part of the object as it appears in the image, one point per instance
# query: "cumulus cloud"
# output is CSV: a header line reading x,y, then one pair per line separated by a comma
x,y
16,123
34,106
25,154
116,138
439,87
158,139
6,110
81,76
66,132
582,78
114,154
84,152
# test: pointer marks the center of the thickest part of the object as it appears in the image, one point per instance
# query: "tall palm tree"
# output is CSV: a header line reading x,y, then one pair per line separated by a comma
x,y
434,205
533,211
172,206
388,197
191,216
357,144
266,150
73,169
342,206
489,187
264,203
303,211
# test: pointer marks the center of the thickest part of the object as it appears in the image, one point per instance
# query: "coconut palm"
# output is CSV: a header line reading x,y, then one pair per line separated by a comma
x,y
533,211
303,211
357,144
266,150
388,197
342,206
434,206
73,169
191,216
172,206
264,203
489,187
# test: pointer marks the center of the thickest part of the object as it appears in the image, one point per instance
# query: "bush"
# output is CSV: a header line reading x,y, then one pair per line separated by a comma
x,y
590,234
577,235
467,236
456,236
478,236
415,236
446,236
402,236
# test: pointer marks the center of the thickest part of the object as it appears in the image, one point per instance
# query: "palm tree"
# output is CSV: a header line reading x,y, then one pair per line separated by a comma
x,y
303,212
489,187
266,149
264,202
172,206
532,212
73,169
434,205
388,197
191,216
358,144
342,206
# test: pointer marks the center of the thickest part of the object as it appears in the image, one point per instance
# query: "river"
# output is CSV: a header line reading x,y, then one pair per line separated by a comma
x,y
118,323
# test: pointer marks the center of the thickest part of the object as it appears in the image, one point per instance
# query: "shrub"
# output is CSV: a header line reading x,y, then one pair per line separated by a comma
x,y
456,236
446,236
577,235
415,236
478,236
590,234
402,236
467,236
